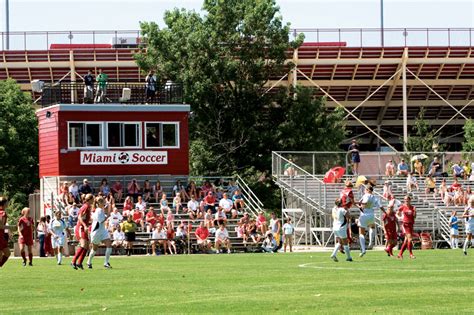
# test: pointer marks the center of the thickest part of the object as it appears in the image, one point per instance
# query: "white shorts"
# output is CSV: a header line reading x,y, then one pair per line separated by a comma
x,y
57,242
99,236
341,232
365,220
205,242
469,229
454,232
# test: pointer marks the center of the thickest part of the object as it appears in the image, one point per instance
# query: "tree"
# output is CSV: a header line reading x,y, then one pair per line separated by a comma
x,y
422,137
468,144
18,145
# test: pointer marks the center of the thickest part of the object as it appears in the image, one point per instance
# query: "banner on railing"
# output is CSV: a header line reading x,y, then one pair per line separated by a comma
x,y
124,157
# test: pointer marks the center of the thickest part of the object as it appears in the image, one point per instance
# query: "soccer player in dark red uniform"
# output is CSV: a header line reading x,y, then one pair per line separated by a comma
x,y
390,223
4,250
25,235
408,214
347,199
82,232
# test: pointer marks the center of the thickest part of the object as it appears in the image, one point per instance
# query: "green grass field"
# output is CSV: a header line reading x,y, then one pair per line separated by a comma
x,y
436,282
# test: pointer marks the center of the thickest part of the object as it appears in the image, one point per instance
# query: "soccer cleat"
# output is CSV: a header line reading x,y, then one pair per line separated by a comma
x,y
228,251
80,266
73,265
412,256
465,253
89,266
349,259
24,263
108,266
59,263
362,254
400,257
30,264
387,251
334,258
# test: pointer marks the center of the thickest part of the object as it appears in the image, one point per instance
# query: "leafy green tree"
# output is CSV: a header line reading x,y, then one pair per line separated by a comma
x,y
422,136
468,144
18,144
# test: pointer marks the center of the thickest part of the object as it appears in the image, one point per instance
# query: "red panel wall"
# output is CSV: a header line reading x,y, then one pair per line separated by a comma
x,y
178,159
48,143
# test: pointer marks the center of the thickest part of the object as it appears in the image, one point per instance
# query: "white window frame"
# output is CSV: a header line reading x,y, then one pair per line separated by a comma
x,y
177,134
139,143
101,124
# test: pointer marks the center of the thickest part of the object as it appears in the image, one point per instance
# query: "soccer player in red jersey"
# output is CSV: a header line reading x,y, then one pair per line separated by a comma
x,y
82,232
390,223
25,235
347,198
408,214
4,250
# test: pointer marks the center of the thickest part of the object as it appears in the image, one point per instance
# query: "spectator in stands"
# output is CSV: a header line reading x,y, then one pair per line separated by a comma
x,y
117,190
151,219
74,190
435,168
232,188
467,194
412,183
208,219
85,189
402,168
109,202
455,185
141,204
467,169
270,245
161,218
227,205
170,235
150,87
133,189
205,189
419,168
458,171
387,191
193,208
164,203
288,232
202,237
222,239
147,189
73,212
275,227
355,156
191,189
252,231
289,168
389,169
157,191
89,87
170,218
245,219
127,207
64,194
177,203
458,196
104,187
220,217
239,203
129,228
443,189
159,238
118,238
262,223
114,220
430,184
178,189
241,230
210,202
138,218
101,93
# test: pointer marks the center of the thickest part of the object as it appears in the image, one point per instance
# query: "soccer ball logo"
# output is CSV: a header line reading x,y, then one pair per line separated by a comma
x,y
124,157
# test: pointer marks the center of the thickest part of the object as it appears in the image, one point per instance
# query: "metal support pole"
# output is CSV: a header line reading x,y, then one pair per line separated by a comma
x,y
405,114
381,23
7,24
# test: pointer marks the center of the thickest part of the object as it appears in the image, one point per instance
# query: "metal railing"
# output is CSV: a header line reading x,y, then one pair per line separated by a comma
x,y
352,37
73,93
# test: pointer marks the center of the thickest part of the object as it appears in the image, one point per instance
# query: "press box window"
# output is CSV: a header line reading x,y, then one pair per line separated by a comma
x,y
85,135
162,135
123,135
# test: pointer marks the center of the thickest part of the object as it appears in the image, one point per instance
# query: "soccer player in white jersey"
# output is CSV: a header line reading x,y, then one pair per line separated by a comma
x,y
340,218
57,227
367,206
99,233
468,215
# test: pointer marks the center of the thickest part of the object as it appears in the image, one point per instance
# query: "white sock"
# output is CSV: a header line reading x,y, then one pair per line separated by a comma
x,y
371,236
336,249
465,244
347,249
60,258
362,243
91,255
108,252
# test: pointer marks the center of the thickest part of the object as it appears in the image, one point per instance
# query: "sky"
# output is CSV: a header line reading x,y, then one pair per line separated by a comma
x,y
66,15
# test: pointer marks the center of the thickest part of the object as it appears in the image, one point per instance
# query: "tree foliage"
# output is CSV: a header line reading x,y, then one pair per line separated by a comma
x,y
468,144
422,136
18,144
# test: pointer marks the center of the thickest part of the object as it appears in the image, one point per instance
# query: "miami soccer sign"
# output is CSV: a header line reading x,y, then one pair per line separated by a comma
x,y
124,157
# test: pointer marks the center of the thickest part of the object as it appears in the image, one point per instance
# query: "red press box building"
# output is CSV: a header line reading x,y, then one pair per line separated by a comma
x,y
112,140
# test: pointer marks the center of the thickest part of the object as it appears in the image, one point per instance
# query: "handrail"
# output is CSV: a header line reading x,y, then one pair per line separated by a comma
x,y
55,201
250,191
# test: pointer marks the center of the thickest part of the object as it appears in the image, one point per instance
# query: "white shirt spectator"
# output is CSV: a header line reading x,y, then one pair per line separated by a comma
x,y
141,206
158,235
118,235
288,229
193,205
74,190
115,219
226,204
222,234
220,215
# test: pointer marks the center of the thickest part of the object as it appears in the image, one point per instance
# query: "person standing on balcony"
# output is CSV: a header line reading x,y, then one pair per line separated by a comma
x,y
150,87
355,156
89,81
102,80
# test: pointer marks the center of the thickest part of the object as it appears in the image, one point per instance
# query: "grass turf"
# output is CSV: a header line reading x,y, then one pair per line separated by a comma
x,y
437,281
